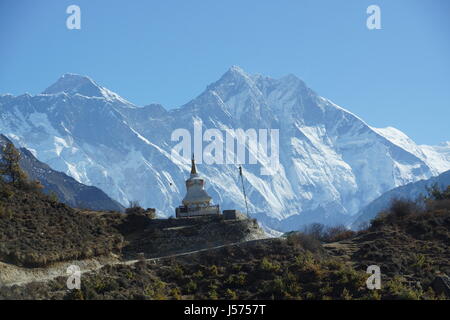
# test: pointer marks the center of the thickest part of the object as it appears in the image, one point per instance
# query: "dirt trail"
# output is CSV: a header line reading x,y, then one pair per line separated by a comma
x,y
11,275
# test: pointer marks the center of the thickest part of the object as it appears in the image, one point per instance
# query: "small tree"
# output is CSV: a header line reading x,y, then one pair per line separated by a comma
x,y
9,165
134,208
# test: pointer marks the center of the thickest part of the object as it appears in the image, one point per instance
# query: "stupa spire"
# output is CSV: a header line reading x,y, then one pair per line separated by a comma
x,y
193,168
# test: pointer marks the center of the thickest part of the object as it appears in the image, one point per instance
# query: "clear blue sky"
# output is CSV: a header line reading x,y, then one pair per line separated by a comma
x,y
169,51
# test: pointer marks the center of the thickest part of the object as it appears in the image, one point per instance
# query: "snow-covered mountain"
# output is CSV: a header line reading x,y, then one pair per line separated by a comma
x,y
331,162
67,189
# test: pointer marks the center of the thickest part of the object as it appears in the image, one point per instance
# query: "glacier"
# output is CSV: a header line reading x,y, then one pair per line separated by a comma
x,y
332,163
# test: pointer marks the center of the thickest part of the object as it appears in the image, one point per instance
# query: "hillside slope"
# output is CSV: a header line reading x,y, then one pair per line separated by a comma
x,y
409,245
272,269
36,230
410,191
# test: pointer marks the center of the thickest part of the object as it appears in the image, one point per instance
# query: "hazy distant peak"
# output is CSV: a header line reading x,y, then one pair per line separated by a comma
x,y
72,84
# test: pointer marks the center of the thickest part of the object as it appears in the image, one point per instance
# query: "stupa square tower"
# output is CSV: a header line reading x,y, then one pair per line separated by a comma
x,y
197,202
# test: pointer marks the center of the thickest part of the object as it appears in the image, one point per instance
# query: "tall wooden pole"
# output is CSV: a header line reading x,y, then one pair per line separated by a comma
x,y
243,189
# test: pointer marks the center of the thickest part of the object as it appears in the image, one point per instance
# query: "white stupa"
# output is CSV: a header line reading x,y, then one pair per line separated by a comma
x,y
197,201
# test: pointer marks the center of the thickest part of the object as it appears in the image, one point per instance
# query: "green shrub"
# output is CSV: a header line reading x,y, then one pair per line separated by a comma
x,y
190,287
212,294
230,294
269,266
213,270
397,289
236,280
53,197
177,271
175,293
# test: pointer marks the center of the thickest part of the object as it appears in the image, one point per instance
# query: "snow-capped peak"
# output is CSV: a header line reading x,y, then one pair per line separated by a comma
x,y
437,157
72,84
236,69
234,74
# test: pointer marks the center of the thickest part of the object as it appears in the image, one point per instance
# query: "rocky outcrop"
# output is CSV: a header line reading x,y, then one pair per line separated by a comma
x,y
441,285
